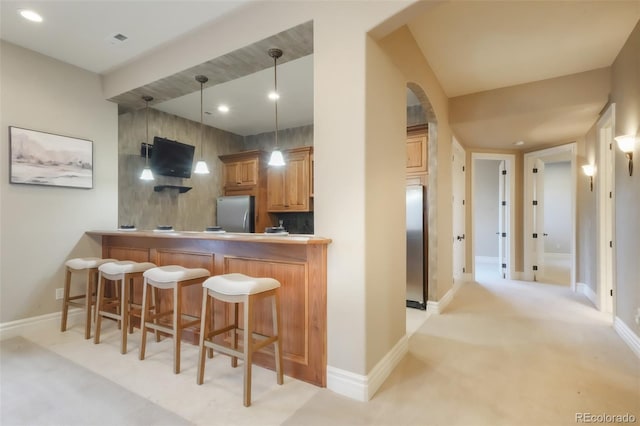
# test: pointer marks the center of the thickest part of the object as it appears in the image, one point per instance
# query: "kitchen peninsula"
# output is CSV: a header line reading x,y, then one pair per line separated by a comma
x,y
299,262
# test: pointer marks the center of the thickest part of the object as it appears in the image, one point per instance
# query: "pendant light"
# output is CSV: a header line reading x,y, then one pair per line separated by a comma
x,y
276,155
201,165
146,172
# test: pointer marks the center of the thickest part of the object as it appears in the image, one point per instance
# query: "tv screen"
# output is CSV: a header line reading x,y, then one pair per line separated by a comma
x,y
171,158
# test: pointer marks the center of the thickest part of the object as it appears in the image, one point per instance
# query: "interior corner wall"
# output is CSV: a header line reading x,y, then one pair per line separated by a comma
x,y
385,200
407,56
625,92
586,217
43,226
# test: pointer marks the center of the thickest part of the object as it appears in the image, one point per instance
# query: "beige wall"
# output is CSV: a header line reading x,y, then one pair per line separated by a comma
x,y
43,226
385,201
625,92
404,51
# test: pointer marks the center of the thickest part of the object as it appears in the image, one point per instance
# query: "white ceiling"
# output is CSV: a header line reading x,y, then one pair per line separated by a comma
x,y
472,46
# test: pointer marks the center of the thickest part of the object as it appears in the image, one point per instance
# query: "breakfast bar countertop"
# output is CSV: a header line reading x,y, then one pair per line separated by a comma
x,y
297,261
224,236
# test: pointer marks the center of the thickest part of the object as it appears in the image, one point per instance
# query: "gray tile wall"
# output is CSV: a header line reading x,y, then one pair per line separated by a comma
x,y
138,203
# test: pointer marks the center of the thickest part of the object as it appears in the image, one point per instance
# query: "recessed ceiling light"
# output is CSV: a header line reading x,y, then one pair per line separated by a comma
x,y
519,143
30,15
273,96
223,108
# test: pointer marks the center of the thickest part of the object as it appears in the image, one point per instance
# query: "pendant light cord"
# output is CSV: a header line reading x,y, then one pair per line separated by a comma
x,y
146,99
201,121
275,86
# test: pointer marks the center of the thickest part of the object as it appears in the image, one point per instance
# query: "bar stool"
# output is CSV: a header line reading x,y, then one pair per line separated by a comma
x,y
118,308
176,278
90,266
239,288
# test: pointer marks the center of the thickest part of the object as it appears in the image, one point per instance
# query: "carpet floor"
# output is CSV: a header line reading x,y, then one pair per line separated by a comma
x,y
503,353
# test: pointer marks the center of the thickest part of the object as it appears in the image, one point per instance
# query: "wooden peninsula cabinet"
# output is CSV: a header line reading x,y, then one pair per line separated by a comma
x,y
289,186
298,262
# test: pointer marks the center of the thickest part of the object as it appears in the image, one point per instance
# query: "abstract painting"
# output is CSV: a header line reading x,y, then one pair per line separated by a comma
x,y
40,158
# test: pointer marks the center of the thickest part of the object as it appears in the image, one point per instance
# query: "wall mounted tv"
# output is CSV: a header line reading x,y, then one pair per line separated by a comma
x,y
171,158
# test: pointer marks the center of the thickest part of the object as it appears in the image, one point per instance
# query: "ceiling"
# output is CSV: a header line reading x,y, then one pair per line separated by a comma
x,y
472,46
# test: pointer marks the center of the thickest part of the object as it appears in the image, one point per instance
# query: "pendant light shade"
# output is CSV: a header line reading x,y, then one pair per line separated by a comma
x,y
201,165
276,155
146,172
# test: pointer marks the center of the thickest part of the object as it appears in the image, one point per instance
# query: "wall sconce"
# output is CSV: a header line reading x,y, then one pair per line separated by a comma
x,y
589,170
627,143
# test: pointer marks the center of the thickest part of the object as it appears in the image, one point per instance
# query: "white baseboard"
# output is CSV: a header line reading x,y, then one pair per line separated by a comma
x,y
19,327
362,388
582,288
630,338
439,306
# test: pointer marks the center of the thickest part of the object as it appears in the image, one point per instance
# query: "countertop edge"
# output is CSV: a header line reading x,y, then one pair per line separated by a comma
x,y
226,236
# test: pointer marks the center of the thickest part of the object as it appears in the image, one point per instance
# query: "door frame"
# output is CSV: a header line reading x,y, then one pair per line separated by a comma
x,y
510,162
458,149
529,253
605,211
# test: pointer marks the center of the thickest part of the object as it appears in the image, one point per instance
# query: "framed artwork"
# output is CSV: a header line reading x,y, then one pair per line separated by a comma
x,y
39,158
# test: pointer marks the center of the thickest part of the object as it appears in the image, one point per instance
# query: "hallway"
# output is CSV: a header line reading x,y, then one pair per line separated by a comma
x,y
502,353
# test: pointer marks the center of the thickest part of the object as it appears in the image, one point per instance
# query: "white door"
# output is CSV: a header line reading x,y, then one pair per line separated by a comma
x,y
459,208
606,192
538,219
503,218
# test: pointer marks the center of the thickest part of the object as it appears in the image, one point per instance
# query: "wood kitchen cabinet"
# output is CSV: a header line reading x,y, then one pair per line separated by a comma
x,y
417,145
241,169
289,186
245,173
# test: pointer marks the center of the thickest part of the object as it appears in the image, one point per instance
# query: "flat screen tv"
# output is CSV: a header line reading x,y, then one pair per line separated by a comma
x,y
171,158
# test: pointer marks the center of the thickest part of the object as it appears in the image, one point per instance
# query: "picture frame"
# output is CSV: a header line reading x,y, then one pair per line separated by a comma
x,y
41,158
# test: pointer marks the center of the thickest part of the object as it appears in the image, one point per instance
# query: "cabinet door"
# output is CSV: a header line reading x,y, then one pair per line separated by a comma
x,y
276,188
417,153
288,186
241,173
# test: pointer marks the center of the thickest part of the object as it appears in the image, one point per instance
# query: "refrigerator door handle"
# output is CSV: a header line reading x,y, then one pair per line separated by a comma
x,y
245,225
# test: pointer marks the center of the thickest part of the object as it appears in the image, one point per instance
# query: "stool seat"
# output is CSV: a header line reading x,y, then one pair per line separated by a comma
x,y
239,284
166,276
238,288
121,307
124,267
88,265
87,262
177,279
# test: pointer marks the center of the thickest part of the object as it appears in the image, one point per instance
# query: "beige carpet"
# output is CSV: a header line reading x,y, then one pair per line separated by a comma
x,y
503,353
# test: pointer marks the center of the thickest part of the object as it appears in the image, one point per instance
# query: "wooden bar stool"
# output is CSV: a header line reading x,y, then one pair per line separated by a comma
x,y
239,288
176,278
118,308
89,265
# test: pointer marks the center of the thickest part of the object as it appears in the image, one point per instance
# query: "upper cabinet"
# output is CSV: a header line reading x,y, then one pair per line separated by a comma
x,y
289,186
241,169
417,145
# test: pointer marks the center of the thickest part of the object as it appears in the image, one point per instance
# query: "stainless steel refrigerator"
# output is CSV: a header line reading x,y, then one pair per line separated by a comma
x,y
416,282
236,213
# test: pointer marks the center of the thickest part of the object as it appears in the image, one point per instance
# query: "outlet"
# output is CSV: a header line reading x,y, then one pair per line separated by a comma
x,y
59,293
638,316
